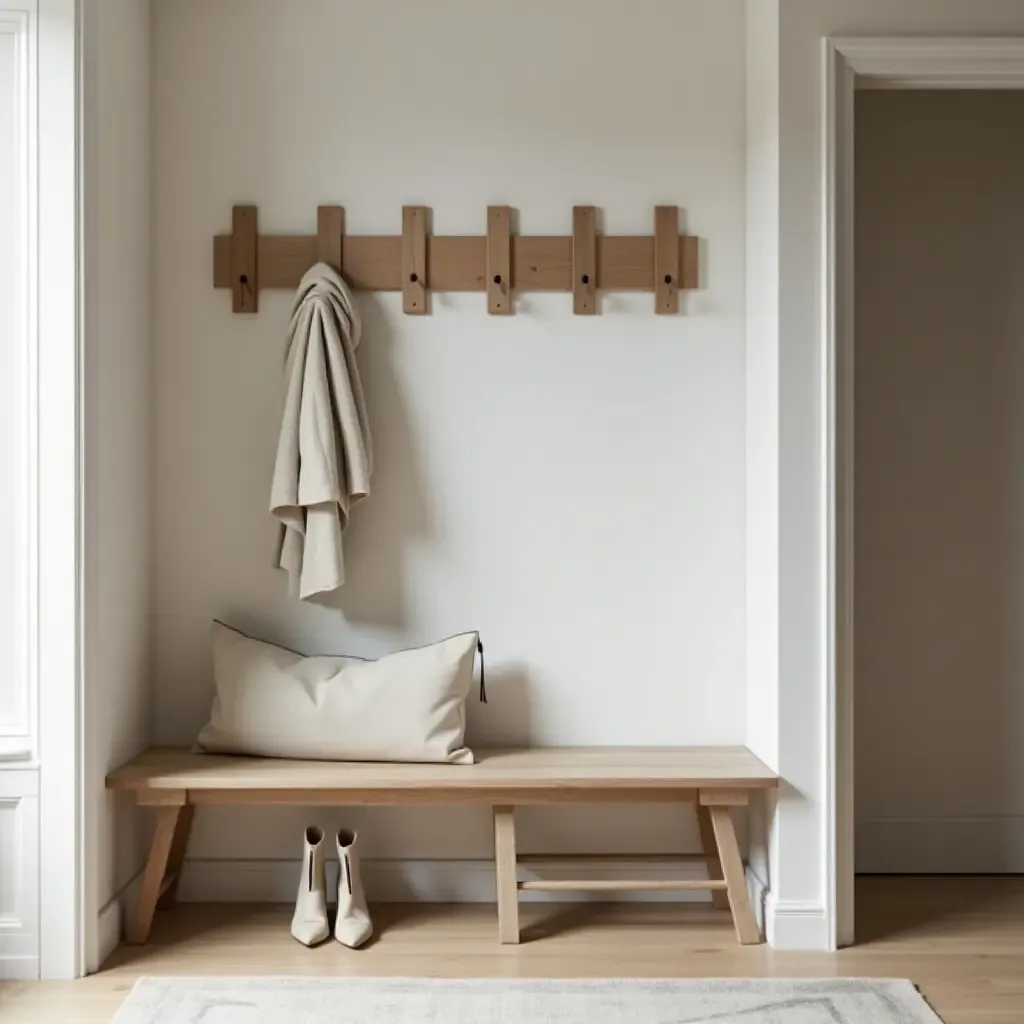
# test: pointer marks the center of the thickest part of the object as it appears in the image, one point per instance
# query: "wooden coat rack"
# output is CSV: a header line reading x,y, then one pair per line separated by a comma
x,y
498,263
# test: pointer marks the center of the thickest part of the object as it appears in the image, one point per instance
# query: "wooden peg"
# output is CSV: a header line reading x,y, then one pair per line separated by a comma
x,y
330,234
584,260
414,259
666,259
690,269
244,284
499,260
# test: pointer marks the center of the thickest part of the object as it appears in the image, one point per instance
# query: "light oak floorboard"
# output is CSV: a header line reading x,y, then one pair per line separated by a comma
x,y
961,940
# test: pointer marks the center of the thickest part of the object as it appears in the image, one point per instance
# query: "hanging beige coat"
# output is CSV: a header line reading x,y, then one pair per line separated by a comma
x,y
324,453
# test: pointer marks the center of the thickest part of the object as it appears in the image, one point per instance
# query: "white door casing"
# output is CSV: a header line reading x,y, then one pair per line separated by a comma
x,y
19,761
849,64
62,805
40,741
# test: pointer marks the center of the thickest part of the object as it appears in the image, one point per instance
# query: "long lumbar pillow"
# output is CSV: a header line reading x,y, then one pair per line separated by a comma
x,y
272,702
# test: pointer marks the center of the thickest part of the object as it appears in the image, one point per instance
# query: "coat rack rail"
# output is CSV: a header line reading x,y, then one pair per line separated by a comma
x,y
498,263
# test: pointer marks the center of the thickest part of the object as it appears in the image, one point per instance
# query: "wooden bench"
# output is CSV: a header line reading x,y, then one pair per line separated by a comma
x,y
715,779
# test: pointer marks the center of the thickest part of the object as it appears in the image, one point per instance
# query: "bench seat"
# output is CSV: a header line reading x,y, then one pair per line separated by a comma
x,y
538,775
174,781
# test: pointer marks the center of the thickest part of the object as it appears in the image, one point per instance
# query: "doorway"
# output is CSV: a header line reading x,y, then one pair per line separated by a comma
x,y
939,470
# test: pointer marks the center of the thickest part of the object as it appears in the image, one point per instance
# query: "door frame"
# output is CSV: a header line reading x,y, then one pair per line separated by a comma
x,y
852,63
63,804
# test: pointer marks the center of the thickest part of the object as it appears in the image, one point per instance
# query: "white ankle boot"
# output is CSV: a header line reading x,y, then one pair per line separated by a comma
x,y
353,927
309,924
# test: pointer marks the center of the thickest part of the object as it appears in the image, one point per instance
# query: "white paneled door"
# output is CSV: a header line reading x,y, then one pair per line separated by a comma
x,y
19,874
19,762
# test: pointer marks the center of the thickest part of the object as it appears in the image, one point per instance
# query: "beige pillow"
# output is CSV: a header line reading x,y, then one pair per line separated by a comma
x,y
272,702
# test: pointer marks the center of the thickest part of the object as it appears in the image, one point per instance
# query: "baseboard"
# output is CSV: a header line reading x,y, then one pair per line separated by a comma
x,y
111,921
787,924
415,881
796,925
992,844
19,968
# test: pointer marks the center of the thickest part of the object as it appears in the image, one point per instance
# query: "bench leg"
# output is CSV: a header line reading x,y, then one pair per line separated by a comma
x,y
153,886
735,878
176,858
719,897
507,879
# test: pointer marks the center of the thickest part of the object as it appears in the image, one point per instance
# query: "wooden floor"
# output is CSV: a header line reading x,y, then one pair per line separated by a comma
x,y
961,940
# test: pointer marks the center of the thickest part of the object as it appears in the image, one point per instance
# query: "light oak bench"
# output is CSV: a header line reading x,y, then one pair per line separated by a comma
x,y
715,779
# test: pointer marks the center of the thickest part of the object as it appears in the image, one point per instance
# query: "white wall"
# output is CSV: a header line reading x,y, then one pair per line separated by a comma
x,y
572,487
118,471
798,911
940,482
762,414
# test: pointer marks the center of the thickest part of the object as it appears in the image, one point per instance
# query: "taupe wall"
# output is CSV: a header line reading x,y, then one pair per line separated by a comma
x,y
940,481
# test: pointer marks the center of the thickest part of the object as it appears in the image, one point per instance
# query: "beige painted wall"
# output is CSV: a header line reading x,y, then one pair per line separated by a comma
x,y
940,481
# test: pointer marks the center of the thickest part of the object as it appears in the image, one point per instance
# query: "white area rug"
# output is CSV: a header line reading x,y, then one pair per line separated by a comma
x,y
394,1001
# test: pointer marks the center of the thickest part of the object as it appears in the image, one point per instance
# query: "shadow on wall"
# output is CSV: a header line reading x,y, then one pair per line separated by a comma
x,y
505,719
377,545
